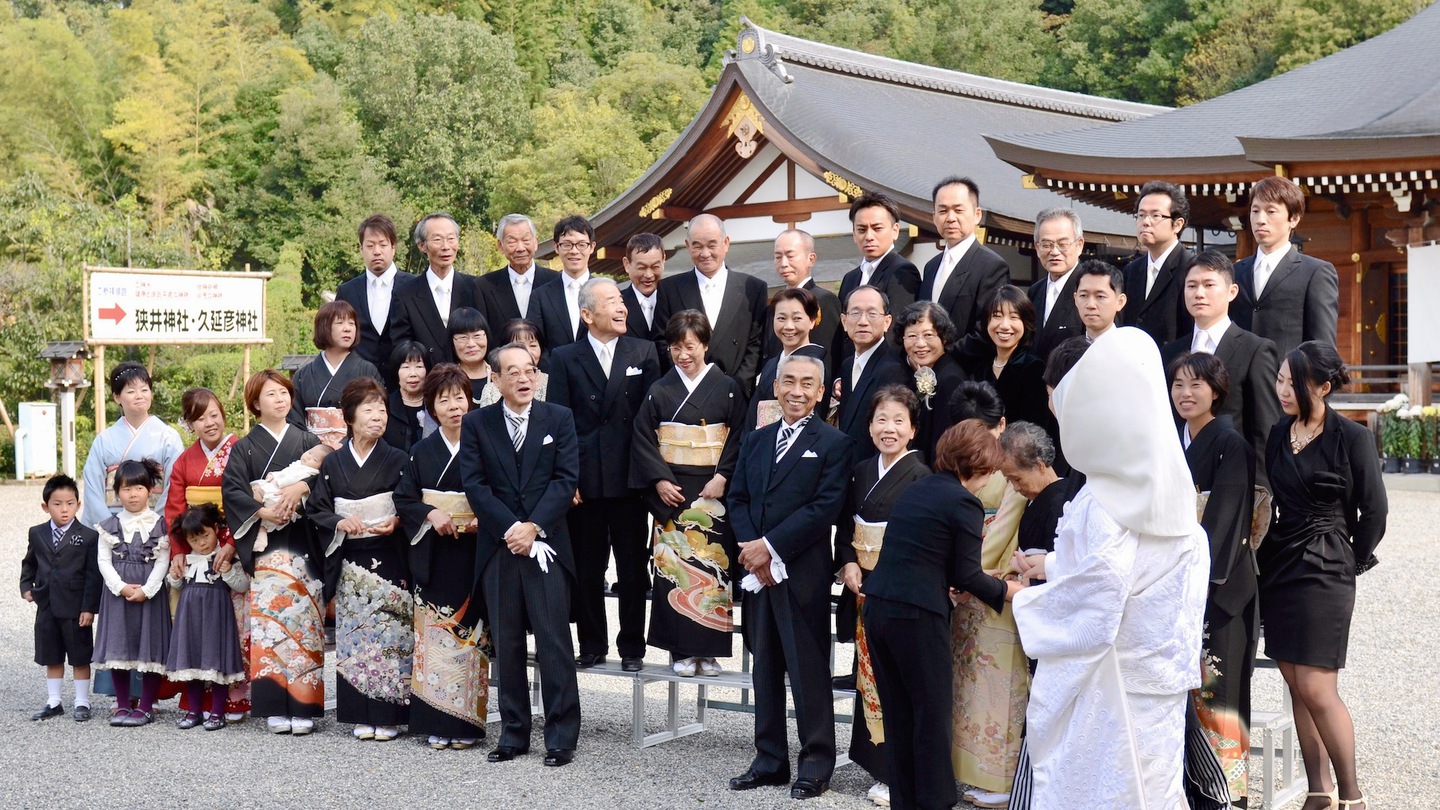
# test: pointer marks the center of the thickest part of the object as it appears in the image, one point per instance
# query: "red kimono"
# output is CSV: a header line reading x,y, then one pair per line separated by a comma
x,y
193,468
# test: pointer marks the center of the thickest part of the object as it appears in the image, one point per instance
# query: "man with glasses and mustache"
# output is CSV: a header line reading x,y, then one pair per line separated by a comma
x,y
1059,240
1155,280
555,307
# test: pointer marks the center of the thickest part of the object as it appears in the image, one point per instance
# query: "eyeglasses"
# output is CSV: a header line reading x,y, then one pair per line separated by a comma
x,y
864,314
470,339
1146,216
516,375
442,241
1049,246
570,247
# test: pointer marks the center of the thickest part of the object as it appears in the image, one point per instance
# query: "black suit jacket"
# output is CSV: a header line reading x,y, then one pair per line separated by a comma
x,y
932,544
551,312
604,409
415,316
636,327
794,504
1253,363
885,367
375,343
895,276
504,308
976,277
1162,315
1300,302
824,333
735,341
1064,322
67,580
538,487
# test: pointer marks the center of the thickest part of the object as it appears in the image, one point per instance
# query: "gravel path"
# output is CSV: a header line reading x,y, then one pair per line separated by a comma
x,y
1393,657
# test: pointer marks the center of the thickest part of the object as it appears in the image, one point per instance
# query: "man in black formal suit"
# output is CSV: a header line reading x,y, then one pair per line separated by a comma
x,y
1153,281
733,301
60,573
603,379
372,293
784,500
511,287
794,262
520,464
555,307
422,307
1285,295
1252,361
1059,240
644,262
875,225
966,274
874,365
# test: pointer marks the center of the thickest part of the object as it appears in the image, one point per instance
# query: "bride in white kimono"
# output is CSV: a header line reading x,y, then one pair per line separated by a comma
x,y
1116,627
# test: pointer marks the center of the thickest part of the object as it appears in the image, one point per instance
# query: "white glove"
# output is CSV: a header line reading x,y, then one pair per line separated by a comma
x,y
751,583
542,553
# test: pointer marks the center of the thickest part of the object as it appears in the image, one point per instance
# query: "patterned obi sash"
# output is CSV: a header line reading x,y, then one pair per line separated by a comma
x,y
691,445
868,539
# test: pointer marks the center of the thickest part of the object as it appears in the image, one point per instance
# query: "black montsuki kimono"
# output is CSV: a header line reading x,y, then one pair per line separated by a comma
x,y
316,388
871,498
448,604
717,400
369,579
935,410
407,423
1222,463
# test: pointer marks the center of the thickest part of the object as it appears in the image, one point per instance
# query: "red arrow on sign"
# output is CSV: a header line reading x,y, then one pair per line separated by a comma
x,y
113,313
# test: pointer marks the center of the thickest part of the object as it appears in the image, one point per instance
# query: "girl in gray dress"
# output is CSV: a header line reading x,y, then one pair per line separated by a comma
x,y
205,644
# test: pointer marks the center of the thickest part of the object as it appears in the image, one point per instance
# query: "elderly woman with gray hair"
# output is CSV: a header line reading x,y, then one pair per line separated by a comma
x,y
1029,467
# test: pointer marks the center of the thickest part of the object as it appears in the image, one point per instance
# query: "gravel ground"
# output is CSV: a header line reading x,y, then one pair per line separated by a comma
x,y
59,763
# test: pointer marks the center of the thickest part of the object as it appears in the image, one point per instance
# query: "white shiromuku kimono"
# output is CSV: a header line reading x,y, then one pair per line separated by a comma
x,y
1117,627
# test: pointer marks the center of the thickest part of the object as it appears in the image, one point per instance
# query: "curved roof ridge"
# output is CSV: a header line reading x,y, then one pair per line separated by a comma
x,y
884,68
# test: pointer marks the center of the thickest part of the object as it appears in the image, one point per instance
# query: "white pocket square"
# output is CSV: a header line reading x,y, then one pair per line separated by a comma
x,y
809,454
548,439
632,371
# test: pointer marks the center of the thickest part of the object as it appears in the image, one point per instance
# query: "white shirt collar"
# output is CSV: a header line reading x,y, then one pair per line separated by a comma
x,y
432,280
525,414
528,276
959,250
875,262
1272,259
581,279
1059,283
719,277
642,298
387,278
1216,331
1160,262
864,357
597,344
690,384
132,523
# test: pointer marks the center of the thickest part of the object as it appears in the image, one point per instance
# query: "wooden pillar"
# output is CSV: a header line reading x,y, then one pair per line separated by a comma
x,y
1418,384
102,388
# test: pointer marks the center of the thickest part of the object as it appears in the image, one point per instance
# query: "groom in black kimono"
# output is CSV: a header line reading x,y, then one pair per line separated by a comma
x,y
520,464
785,498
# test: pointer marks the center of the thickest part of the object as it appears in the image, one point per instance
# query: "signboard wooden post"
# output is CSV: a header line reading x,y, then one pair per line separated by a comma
x,y
127,306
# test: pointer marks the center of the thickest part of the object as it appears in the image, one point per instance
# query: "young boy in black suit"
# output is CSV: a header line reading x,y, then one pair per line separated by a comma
x,y
61,575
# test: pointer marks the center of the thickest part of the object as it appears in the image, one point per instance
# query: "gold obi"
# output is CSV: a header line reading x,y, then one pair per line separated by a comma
x,y
453,504
194,496
869,537
691,445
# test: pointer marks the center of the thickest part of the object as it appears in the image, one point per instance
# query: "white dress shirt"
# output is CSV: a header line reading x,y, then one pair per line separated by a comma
x,y
604,352
378,290
861,360
572,298
441,291
867,266
1208,340
1052,292
1265,266
948,260
647,305
712,292
1152,272
522,284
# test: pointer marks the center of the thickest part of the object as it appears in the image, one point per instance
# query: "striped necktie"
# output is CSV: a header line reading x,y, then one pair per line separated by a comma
x,y
787,434
517,430
55,534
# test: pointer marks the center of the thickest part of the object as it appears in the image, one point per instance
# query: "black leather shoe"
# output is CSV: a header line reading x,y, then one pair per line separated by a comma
x,y
48,712
751,780
559,757
843,682
505,753
632,664
82,714
808,788
586,660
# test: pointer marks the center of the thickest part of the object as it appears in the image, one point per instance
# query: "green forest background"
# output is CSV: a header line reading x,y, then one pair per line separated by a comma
x,y
212,134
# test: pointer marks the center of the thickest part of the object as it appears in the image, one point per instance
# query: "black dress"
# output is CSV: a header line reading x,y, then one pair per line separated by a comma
x,y
1021,386
1222,463
870,498
935,410
1329,514
407,423
692,598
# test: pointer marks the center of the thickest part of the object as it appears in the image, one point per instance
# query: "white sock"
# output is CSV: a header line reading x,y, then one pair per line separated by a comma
x,y
52,687
82,692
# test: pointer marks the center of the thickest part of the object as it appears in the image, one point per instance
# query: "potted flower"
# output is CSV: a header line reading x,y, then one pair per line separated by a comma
x,y
1431,418
1412,439
1392,432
